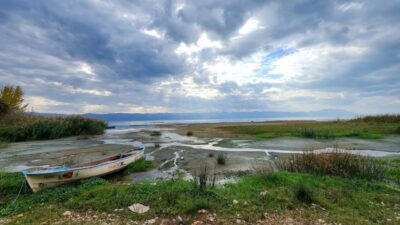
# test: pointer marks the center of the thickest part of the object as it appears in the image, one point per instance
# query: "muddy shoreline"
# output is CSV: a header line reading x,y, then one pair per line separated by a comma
x,y
177,153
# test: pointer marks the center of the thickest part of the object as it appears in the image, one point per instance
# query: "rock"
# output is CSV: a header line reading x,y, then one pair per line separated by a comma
x,y
263,193
202,211
197,222
151,221
20,215
179,218
235,202
238,221
211,219
67,213
245,203
139,208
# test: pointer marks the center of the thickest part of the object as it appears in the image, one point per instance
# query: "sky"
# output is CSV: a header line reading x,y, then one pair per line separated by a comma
x,y
93,56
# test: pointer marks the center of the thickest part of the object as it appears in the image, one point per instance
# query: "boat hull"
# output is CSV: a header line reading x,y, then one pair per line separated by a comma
x,y
41,181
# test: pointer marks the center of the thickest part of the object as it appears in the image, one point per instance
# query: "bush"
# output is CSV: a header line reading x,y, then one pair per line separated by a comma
x,y
155,133
221,159
335,163
189,133
397,131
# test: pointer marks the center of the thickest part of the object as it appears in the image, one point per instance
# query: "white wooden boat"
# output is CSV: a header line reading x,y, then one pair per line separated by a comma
x,y
39,179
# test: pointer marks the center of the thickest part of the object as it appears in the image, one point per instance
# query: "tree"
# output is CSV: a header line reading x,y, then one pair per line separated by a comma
x,y
3,108
13,98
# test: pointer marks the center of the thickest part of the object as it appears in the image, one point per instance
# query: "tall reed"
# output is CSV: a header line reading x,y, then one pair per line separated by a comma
x,y
337,163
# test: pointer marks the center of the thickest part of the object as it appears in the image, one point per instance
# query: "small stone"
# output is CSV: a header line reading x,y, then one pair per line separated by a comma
x,y
20,215
202,211
235,202
238,221
139,208
263,193
179,218
197,222
245,203
151,221
211,219
67,213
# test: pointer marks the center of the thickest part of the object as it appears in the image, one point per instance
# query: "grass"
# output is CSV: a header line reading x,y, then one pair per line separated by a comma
x,y
140,165
336,199
3,144
43,128
335,163
369,127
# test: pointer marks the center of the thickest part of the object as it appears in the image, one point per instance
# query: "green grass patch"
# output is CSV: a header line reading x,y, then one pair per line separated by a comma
x,y
365,128
140,165
335,199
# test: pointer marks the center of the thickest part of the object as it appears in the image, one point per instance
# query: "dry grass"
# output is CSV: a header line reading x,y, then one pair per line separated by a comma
x,y
337,163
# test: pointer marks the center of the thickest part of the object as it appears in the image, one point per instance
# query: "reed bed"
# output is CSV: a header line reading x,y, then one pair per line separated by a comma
x,y
42,128
336,163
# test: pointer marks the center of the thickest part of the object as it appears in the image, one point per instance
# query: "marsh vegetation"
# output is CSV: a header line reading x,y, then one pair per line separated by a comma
x,y
339,197
368,127
18,125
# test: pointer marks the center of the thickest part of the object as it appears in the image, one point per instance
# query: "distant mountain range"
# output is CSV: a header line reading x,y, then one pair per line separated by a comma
x,y
328,113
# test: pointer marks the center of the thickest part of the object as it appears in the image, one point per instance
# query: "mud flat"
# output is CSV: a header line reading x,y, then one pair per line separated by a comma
x,y
175,152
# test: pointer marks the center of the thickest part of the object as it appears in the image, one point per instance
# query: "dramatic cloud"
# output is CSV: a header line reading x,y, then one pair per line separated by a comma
x,y
202,56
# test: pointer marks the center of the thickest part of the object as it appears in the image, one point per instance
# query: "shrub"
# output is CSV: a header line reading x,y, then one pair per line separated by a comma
x,y
189,133
397,131
202,178
308,133
210,154
335,163
221,159
155,133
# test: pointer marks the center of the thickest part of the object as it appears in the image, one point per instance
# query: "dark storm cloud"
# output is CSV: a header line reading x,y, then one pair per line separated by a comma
x,y
69,55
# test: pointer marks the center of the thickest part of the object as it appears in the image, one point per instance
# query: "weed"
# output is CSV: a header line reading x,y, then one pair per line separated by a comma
x,y
336,163
155,133
304,194
221,159
140,165
203,178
